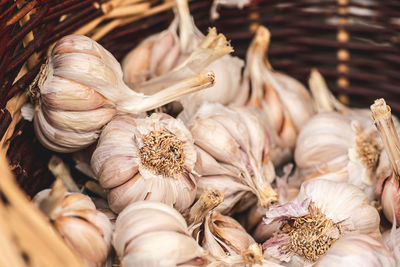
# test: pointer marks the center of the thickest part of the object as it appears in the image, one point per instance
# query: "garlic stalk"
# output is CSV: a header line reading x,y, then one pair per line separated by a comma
x,y
356,250
232,140
149,233
75,217
285,101
321,214
149,158
389,190
221,235
80,89
190,40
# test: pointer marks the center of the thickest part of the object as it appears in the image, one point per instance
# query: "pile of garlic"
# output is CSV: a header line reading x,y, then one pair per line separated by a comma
x,y
208,178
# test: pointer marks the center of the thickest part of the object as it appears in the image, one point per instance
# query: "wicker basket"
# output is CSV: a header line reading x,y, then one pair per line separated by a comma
x,y
354,43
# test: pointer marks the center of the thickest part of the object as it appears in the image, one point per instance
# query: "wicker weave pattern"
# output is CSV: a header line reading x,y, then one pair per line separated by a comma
x,y
354,43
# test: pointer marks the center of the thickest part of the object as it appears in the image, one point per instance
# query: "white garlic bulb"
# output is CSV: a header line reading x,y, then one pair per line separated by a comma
x,y
75,217
389,188
335,147
285,101
149,233
321,214
356,250
81,89
177,50
232,141
148,158
220,235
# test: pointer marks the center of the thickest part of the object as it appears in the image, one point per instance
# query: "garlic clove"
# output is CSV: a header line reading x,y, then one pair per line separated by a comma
x,y
207,165
79,121
68,95
121,166
127,230
86,239
214,138
172,249
60,140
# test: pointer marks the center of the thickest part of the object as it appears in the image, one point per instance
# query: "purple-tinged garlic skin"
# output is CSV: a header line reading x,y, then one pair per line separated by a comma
x,y
148,158
322,206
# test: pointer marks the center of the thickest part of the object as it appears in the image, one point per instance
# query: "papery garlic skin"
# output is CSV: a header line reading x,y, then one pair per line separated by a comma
x,y
336,208
149,158
149,233
80,89
332,146
285,101
391,239
220,235
84,228
224,138
356,250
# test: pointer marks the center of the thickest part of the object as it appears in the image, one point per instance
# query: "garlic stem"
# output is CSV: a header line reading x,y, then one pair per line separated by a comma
x,y
207,202
139,104
382,117
186,26
213,47
61,171
49,206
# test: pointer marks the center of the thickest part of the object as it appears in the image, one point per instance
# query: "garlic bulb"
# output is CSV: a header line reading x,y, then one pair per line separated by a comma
x,y
143,61
232,148
389,189
332,143
286,101
146,159
75,217
321,214
356,250
80,89
149,233
221,235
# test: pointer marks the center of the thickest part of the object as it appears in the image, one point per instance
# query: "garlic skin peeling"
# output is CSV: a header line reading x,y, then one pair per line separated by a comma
x,y
75,217
224,134
285,101
356,250
149,233
81,81
220,235
149,158
321,214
